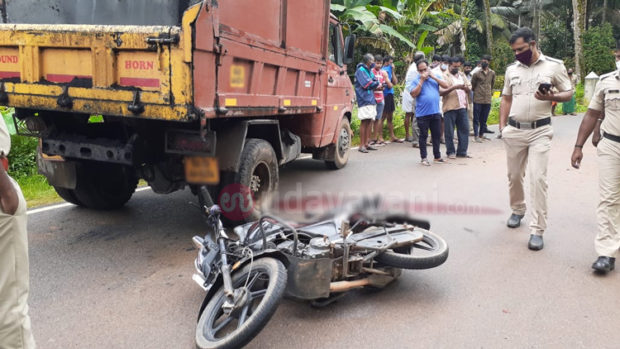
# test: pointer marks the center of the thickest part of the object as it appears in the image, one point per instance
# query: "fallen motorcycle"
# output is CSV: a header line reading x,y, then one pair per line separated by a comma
x,y
248,270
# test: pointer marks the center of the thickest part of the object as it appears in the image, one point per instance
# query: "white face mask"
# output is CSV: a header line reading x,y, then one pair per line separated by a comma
x,y
618,65
444,67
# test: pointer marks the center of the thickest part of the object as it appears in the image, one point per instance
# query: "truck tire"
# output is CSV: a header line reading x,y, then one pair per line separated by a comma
x,y
343,144
68,195
258,175
104,186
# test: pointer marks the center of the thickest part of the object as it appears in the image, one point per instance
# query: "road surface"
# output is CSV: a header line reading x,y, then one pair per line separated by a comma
x,y
123,279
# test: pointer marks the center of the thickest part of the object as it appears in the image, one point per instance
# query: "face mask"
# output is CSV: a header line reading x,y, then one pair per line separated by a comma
x,y
444,67
525,57
454,71
372,65
618,65
484,65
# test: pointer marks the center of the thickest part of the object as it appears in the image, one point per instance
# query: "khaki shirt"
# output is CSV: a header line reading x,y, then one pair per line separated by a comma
x,y
521,82
606,99
451,100
482,82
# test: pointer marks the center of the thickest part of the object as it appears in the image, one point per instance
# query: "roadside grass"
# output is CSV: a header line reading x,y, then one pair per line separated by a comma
x,y
37,191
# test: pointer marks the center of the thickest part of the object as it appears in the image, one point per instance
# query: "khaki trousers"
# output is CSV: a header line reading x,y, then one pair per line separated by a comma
x,y
607,241
15,331
528,148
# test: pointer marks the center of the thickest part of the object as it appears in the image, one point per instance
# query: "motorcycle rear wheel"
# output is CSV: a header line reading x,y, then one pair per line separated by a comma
x,y
265,287
431,252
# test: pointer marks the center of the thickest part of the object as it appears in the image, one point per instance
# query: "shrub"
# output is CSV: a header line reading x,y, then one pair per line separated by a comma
x,y
598,43
23,156
499,82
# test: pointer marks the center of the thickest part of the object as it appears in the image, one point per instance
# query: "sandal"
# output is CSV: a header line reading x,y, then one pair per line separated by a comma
x,y
397,140
425,162
362,150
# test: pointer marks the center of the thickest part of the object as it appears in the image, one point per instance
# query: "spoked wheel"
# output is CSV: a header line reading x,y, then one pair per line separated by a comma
x,y
259,287
430,252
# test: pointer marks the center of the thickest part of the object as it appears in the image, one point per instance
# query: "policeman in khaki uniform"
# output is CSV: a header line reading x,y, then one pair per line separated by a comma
x,y
15,329
525,124
604,114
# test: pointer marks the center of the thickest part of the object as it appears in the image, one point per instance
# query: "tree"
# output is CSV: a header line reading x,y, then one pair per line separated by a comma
x,y
579,20
489,28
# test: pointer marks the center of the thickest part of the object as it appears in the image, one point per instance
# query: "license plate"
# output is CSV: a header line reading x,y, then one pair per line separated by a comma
x,y
201,170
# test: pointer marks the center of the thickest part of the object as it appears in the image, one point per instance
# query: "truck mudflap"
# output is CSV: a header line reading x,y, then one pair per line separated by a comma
x,y
139,71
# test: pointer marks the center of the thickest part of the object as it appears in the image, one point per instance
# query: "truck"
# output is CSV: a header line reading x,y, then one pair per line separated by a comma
x,y
214,94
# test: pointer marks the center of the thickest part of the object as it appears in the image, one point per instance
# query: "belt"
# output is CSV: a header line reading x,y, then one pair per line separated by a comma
x,y
529,125
611,137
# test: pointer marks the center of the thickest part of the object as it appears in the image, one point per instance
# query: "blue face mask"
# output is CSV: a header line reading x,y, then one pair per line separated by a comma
x,y
372,65
444,67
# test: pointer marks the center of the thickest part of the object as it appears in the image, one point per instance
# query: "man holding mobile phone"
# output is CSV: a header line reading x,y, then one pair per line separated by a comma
x,y
525,126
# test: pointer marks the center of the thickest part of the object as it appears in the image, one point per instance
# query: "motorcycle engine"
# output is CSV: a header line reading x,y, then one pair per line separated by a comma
x,y
317,248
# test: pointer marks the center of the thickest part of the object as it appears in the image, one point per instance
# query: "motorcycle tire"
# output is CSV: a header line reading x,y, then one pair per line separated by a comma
x,y
435,248
257,314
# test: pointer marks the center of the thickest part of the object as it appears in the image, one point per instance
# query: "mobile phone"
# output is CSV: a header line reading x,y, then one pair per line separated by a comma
x,y
544,88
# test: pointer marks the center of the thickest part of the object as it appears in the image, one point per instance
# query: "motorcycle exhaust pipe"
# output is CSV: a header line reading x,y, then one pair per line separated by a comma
x,y
343,286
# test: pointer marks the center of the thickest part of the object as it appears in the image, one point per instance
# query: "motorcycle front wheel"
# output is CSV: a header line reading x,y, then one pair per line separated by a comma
x,y
430,252
258,297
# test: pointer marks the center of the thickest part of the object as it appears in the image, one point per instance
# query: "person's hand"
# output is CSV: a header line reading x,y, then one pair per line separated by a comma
x,y
424,76
459,87
544,97
575,160
596,137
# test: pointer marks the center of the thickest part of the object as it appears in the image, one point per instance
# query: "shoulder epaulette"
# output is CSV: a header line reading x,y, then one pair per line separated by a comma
x,y
605,76
511,64
555,60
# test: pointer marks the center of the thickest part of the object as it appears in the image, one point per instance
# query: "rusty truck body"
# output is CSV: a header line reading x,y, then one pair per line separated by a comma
x,y
175,92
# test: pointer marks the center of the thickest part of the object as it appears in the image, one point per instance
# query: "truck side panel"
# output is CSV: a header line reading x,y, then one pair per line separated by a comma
x,y
265,66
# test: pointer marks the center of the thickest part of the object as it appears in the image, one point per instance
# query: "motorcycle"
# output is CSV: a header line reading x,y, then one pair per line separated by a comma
x,y
247,271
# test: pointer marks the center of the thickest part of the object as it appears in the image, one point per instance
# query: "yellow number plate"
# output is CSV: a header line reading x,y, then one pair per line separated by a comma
x,y
201,170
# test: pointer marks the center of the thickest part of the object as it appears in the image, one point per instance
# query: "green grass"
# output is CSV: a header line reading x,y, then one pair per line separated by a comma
x,y
37,191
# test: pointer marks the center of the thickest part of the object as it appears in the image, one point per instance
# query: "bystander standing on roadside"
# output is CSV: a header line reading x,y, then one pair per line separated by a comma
x,y
455,109
569,107
439,71
467,68
425,89
365,84
436,62
604,115
525,125
15,330
482,83
390,107
383,79
408,102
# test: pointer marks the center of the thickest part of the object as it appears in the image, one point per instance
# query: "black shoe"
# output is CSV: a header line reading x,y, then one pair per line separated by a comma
x,y
536,243
489,131
514,221
604,264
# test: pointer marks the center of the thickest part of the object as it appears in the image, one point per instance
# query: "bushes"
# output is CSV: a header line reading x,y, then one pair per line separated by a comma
x,y
598,43
23,156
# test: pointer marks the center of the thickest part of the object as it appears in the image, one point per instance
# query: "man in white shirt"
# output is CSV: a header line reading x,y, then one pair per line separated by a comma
x,y
408,102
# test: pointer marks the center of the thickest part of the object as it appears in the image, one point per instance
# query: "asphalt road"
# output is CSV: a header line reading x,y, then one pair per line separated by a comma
x,y
123,279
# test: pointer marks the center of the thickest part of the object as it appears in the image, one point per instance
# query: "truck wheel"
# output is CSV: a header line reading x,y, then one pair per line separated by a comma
x,y
104,186
258,174
341,154
68,195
